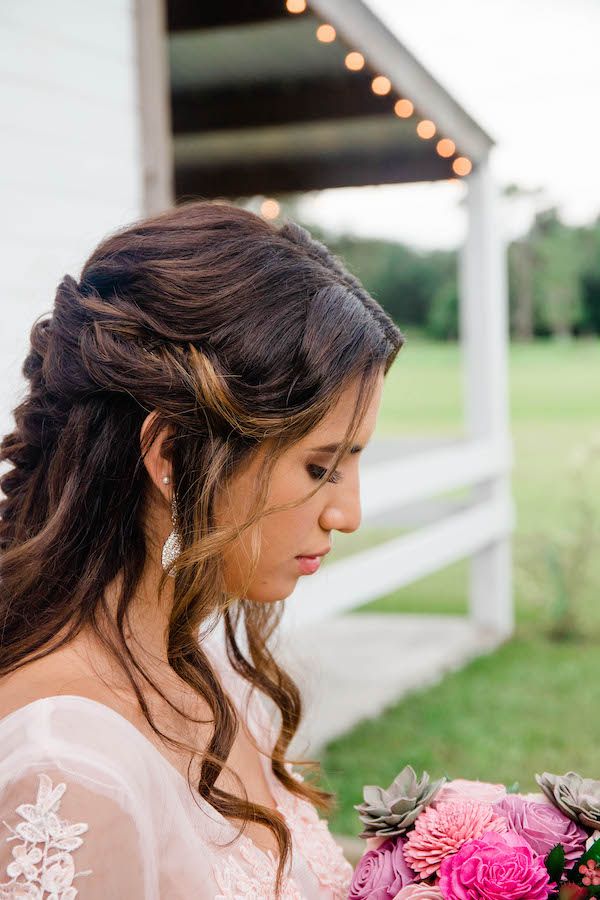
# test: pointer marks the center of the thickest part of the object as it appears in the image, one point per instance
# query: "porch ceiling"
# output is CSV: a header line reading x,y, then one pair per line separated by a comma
x,y
260,106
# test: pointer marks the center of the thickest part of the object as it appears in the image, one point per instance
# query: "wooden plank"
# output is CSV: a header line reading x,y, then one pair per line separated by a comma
x,y
283,177
395,483
187,15
281,102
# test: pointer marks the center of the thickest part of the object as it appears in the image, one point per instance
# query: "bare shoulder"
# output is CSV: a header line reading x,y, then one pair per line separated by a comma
x,y
61,672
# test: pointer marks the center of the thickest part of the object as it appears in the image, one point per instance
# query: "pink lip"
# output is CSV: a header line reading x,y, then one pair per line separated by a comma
x,y
308,564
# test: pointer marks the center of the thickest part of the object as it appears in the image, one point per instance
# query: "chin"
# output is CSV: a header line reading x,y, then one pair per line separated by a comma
x,y
270,595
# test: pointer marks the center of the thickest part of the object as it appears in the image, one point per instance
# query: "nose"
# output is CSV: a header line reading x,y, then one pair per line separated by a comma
x,y
343,511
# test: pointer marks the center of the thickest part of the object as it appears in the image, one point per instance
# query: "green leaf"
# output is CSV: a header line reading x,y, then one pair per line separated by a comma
x,y
513,789
555,863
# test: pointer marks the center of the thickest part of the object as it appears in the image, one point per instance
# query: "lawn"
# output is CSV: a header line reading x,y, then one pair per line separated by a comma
x,y
530,706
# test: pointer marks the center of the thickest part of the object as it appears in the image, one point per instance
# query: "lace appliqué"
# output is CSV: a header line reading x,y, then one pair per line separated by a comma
x,y
255,883
47,872
322,855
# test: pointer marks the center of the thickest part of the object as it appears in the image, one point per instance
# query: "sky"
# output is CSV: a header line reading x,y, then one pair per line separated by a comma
x,y
529,72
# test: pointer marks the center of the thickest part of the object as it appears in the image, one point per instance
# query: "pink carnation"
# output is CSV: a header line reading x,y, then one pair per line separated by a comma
x,y
463,789
495,867
419,892
442,831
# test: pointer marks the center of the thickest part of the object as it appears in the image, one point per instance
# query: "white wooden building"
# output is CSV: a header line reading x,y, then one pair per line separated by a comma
x,y
113,109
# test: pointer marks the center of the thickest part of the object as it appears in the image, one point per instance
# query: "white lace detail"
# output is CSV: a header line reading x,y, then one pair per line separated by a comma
x,y
323,856
36,872
236,883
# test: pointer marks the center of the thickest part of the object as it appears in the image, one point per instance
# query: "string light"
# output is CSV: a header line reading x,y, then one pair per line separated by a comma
x,y
270,209
446,147
326,34
381,85
462,165
403,109
295,6
426,129
354,61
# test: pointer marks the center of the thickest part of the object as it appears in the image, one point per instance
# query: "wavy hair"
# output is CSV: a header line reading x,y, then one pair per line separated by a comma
x,y
235,331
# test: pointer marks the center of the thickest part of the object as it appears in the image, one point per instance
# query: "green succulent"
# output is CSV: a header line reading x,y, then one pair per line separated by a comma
x,y
577,797
391,811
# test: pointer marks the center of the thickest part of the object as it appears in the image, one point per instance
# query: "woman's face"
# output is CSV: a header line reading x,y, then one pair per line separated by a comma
x,y
308,528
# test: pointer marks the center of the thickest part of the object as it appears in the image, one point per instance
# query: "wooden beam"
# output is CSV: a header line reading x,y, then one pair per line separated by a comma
x,y
187,15
283,102
276,177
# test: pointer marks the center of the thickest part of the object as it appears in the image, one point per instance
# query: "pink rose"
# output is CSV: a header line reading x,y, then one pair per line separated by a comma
x,y
462,789
495,867
419,892
542,826
381,872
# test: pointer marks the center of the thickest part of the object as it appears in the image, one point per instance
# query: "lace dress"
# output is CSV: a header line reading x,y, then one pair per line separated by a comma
x,y
90,808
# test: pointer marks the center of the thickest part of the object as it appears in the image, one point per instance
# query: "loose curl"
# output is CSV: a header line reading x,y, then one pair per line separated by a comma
x,y
236,332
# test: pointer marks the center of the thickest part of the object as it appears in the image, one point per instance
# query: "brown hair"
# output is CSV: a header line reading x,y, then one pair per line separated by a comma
x,y
236,331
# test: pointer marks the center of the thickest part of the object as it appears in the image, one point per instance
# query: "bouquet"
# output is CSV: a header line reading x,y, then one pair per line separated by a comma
x,y
471,840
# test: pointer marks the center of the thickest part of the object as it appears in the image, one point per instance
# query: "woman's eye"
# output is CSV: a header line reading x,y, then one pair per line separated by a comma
x,y
318,472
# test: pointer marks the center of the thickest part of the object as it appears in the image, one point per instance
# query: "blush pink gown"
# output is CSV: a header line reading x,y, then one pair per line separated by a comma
x,y
90,808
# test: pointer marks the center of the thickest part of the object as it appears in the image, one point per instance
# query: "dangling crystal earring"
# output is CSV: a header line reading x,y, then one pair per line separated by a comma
x,y
172,545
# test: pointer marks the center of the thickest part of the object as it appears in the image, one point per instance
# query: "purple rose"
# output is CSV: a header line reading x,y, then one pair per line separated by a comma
x,y
381,872
494,867
542,826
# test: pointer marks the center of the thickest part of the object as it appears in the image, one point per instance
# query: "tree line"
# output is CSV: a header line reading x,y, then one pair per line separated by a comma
x,y
553,280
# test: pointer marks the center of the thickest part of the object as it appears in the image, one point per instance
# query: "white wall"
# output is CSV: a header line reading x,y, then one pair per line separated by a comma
x,y
69,155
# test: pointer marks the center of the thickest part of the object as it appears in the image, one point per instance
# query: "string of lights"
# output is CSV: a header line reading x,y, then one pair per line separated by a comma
x,y
381,85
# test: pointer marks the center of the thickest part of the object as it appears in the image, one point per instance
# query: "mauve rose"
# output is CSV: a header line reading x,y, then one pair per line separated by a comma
x,y
463,789
494,867
542,826
381,872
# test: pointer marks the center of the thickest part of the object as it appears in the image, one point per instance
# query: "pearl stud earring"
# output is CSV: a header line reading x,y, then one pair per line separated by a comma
x,y
166,479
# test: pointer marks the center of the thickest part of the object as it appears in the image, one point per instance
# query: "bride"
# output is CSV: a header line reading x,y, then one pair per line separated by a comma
x,y
189,442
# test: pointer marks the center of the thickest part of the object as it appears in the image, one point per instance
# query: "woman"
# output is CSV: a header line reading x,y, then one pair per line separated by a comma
x,y
166,479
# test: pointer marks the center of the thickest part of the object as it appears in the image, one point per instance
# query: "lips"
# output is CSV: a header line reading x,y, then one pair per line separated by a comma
x,y
308,564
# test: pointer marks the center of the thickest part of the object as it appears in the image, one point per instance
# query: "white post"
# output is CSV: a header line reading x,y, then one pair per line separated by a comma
x,y
153,92
485,338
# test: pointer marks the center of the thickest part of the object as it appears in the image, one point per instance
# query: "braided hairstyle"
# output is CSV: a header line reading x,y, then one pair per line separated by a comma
x,y
236,332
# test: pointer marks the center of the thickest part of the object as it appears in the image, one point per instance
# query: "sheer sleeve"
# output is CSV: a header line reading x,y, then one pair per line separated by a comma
x,y
64,834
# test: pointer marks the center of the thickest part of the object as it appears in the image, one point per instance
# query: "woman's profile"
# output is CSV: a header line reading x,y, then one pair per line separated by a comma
x,y
165,480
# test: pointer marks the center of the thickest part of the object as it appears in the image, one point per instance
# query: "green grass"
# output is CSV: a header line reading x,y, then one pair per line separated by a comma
x,y
530,706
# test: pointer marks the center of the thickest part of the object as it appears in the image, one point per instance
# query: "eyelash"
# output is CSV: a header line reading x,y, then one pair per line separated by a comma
x,y
317,472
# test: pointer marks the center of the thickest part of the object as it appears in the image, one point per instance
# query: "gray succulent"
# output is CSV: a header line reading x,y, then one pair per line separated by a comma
x,y
391,811
577,797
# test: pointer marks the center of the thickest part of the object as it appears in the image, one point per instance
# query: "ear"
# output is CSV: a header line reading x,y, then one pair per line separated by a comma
x,y
156,464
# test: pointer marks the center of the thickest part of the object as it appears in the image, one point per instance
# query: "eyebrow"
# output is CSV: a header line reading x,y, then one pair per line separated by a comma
x,y
333,448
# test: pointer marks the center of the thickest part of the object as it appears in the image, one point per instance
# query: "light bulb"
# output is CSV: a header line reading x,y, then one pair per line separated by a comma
x,y
462,165
326,34
270,209
426,129
403,109
354,61
381,85
445,147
